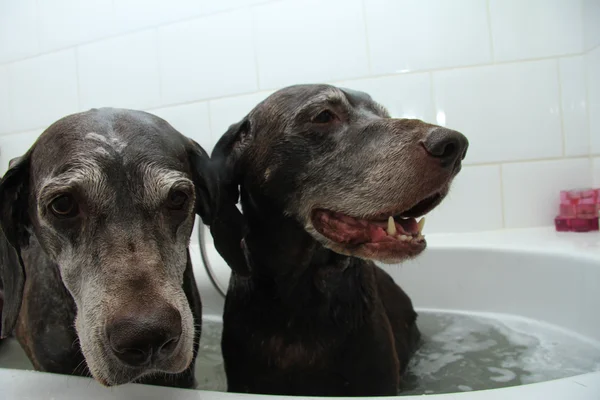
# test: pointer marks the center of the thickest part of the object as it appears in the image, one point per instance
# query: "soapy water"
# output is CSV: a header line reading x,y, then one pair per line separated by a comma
x,y
460,352
465,352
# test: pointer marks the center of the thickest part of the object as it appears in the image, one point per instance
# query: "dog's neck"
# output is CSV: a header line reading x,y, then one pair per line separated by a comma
x,y
292,265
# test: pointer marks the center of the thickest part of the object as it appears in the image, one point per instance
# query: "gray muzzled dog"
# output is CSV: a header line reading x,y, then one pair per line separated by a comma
x,y
97,277
328,182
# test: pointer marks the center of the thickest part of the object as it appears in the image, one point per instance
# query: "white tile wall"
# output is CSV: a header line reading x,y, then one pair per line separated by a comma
x,y
405,96
474,202
208,57
16,145
5,118
596,171
593,85
509,111
18,29
120,72
191,120
309,41
574,106
64,23
520,78
408,35
212,6
531,189
591,27
136,14
227,111
42,89
535,28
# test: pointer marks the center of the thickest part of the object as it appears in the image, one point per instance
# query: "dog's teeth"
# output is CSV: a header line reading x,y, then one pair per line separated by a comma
x,y
404,238
421,224
391,229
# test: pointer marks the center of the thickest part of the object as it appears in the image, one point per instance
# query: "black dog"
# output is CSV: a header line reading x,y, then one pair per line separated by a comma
x,y
328,181
97,276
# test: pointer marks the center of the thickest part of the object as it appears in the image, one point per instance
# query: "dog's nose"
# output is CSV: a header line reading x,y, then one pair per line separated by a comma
x,y
153,334
448,146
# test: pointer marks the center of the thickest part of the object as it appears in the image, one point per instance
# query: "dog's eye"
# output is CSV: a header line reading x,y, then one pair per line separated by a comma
x,y
177,199
64,206
324,117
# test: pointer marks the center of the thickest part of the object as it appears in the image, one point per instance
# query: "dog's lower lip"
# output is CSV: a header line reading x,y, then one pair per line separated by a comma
x,y
350,231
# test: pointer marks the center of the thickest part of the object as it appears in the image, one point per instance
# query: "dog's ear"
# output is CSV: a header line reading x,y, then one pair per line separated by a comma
x,y
226,157
14,221
229,227
205,182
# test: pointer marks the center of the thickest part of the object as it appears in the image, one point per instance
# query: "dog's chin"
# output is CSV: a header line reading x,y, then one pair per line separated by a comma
x,y
385,252
108,371
122,374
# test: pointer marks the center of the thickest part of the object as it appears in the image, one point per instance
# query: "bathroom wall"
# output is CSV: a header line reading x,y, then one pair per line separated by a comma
x,y
521,78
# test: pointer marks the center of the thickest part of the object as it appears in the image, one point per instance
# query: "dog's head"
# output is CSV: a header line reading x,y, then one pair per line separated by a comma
x,y
334,161
110,196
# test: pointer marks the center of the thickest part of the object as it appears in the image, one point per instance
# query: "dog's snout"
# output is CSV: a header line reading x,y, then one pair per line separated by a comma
x,y
152,335
448,146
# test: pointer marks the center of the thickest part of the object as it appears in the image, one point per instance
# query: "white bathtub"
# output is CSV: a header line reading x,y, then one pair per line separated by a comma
x,y
535,274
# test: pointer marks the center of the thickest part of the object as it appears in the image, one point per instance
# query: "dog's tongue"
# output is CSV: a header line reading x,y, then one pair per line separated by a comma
x,y
344,229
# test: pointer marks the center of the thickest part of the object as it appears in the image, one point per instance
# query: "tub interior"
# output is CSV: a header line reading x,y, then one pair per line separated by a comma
x,y
491,318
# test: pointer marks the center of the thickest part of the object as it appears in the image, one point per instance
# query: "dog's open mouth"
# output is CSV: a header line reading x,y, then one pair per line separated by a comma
x,y
389,232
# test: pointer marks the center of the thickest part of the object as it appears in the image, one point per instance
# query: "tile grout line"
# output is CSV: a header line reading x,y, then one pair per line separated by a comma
x,y
490,34
158,65
254,46
210,125
588,116
530,160
433,101
560,109
366,31
502,200
370,76
131,31
78,80
381,76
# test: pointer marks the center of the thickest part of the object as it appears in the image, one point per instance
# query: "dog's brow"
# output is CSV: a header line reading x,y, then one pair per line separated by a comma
x,y
324,98
82,172
157,181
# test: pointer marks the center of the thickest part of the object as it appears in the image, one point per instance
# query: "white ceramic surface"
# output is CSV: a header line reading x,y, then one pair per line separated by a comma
x,y
309,41
531,189
5,123
18,35
411,35
535,28
593,86
474,202
68,22
227,111
208,57
509,112
574,105
404,95
42,89
193,119
119,72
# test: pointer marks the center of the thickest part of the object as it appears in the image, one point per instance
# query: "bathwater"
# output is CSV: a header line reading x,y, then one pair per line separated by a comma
x,y
460,352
